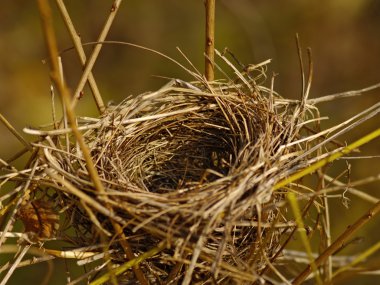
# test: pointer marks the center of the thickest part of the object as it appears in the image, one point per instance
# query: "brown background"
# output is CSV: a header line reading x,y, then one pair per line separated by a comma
x,y
343,35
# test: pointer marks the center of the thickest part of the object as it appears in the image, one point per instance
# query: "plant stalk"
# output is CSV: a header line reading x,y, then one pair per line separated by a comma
x,y
210,39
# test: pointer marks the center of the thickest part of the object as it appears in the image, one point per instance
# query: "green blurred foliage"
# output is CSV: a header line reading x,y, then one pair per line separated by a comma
x,y
343,36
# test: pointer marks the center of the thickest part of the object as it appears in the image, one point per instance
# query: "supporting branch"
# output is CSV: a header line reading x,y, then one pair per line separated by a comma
x,y
210,39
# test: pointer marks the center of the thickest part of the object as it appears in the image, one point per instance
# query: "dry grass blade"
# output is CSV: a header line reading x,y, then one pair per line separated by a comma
x,y
122,268
301,228
350,93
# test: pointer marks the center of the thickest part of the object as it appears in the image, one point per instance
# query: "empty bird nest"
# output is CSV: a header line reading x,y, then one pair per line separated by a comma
x,y
188,179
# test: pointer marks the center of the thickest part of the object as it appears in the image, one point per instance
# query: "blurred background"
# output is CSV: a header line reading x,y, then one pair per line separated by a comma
x,y
343,35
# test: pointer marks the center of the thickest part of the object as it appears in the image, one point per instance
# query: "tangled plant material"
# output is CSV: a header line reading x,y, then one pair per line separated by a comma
x,y
192,164
192,185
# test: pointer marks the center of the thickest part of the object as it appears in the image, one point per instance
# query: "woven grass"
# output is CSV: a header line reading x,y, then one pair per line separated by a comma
x,y
193,178
192,164
196,183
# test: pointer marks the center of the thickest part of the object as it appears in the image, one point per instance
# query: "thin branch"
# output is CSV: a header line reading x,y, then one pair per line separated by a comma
x,y
15,132
210,39
340,242
15,264
80,51
63,90
91,61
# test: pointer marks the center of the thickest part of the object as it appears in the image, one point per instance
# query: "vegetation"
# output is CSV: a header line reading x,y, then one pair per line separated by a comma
x,y
203,181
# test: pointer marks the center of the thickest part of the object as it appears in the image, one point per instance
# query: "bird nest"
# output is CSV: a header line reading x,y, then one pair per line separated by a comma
x,y
188,170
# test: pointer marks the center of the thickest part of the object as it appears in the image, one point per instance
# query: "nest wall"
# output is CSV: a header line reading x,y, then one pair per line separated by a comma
x,y
193,164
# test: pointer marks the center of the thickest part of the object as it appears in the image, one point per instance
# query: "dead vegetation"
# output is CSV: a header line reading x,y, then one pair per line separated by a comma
x,y
190,184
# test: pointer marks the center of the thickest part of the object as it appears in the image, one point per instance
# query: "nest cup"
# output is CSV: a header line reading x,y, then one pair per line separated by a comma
x,y
192,164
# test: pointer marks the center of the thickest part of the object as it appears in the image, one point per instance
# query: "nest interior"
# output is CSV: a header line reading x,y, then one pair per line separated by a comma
x,y
192,164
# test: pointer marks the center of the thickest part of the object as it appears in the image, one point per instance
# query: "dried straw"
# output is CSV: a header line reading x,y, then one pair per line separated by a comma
x,y
190,164
189,174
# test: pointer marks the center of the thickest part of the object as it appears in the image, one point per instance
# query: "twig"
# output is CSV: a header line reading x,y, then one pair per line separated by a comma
x,y
340,242
63,90
15,132
91,61
80,51
15,264
210,39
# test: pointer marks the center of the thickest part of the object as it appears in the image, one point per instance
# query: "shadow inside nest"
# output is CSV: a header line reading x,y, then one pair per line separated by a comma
x,y
187,139
191,164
